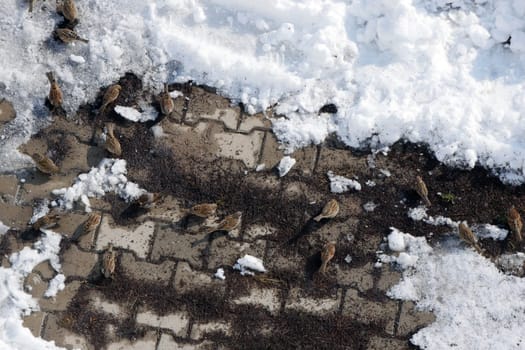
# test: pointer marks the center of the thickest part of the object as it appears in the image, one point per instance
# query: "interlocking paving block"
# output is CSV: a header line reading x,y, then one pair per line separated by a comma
x,y
239,146
265,297
34,322
280,257
389,278
35,285
148,342
15,217
77,263
318,306
144,271
341,162
137,239
7,112
305,160
64,337
253,232
168,343
45,270
378,343
176,322
360,278
204,104
200,329
8,185
187,280
62,299
412,320
80,157
250,122
169,210
70,222
169,243
83,131
99,303
225,252
40,186
271,152
380,313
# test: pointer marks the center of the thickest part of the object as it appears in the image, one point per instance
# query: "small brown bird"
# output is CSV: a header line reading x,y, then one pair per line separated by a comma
x,y
229,223
166,102
68,36
421,189
204,210
31,3
330,210
55,94
110,96
327,254
515,223
46,221
109,262
89,226
44,164
68,10
466,234
112,144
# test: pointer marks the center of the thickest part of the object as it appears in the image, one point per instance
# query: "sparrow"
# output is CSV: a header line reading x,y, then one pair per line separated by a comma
x,y
68,36
44,164
89,226
466,234
515,223
166,102
55,94
204,210
31,3
112,144
327,254
229,223
421,189
330,210
109,262
45,222
68,10
110,96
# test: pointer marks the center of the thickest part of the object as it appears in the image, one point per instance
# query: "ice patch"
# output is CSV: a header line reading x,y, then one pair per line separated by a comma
x,y
340,184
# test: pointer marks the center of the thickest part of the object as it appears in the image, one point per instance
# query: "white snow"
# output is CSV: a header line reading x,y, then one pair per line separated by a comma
x,y
285,165
108,176
134,115
14,302
220,274
3,228
157,131
420,213
396,240
55,285
490,231
476,306
370,206
249,263
348,259
340,184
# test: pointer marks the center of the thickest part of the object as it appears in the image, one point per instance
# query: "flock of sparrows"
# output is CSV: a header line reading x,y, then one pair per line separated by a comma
x,y
465,233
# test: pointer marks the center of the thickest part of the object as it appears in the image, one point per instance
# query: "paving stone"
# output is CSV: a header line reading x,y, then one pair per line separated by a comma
x,y
279,257
139,270
137,239
169,210
224,252
70,222
360,278
257,121
45,270
35,285
7,112
40,186
318,306
370,312
387,279
62,299
187,280
8,184
411,320
176,322
305,160
334,230
78,263
15,216
271,153
80,157
199,329
148,342
169,243
75,126
265,297
253,232
99,303
206,105
168,343
63,337
239,146
341,162
34,322
378,343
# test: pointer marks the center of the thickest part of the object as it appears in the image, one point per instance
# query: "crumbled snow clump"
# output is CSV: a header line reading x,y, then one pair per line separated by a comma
x,y
512,263
220,274
247,263
3,228
135,116
340,184
39,210
396,240
348,259
370,206
405,244
466,292
157,131
55,285
490,231
108,176
285,165
420,214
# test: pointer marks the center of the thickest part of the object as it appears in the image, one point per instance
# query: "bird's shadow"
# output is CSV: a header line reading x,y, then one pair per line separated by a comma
x,y
310,226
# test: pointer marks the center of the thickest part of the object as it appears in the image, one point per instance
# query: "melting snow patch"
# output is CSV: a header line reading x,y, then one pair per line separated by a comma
x,y
55,285
157,131
108,176
370,206
220,274
340,184
420,214
3,228
134,115
285,165
247,263
490,231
